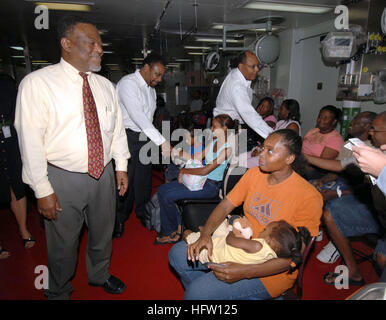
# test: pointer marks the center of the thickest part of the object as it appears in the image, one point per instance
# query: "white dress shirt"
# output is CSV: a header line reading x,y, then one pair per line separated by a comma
x,y
196,105
138,103
51,128
235,100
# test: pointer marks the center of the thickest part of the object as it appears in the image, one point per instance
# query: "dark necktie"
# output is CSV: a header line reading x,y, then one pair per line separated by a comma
x,y
94,137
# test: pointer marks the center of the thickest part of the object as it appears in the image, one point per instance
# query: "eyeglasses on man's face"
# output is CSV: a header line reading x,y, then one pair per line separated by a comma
x,y
373,130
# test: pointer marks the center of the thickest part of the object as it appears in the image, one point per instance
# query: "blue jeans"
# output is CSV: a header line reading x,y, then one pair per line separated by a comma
x,y
354,218
169,193
202,284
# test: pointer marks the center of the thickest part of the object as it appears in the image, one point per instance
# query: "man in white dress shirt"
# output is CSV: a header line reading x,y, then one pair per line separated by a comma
x,y
70,127
196,104
235,96
137,98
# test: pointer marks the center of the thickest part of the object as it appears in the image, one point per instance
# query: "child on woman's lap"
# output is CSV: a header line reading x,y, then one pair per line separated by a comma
x,y
233,243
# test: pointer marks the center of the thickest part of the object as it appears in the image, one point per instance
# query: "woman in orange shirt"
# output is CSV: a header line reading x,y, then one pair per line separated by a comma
x,y
271,192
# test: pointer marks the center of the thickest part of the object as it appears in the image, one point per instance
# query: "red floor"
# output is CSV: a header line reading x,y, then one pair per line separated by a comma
x,y
142,265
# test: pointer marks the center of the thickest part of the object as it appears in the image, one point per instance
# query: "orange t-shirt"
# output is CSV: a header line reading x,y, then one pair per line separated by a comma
x,y
294,200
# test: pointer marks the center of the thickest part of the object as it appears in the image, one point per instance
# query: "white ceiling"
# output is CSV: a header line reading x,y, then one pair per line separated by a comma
x,y
128,21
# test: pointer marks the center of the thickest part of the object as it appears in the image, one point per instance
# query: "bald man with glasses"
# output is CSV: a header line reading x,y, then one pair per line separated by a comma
x,y
235,96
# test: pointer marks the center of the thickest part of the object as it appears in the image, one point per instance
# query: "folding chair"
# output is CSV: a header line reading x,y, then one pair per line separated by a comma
x,y
290,294
196,212
372,239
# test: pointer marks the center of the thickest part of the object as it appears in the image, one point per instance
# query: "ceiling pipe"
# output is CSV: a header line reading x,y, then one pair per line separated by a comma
x,y
194,29
158,24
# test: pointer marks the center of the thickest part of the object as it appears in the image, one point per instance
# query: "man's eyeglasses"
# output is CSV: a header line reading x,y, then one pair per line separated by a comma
x,y
259,66
373,130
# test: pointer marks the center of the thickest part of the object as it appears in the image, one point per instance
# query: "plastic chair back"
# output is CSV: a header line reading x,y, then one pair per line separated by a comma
x,y
306,254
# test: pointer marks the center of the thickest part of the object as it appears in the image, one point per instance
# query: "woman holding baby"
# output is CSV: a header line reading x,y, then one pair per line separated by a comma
x,y
272,192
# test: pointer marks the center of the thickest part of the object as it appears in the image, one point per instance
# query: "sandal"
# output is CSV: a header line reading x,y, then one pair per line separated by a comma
x,y
333,275
172,235
30,239
4,254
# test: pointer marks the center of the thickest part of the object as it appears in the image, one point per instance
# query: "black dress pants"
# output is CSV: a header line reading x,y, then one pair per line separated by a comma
x,y
140,183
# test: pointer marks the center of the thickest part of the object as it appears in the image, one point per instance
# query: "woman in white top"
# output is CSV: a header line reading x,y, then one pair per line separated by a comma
x,y
289,116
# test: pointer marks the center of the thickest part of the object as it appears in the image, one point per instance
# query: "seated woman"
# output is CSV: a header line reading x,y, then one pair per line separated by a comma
x,y
289,116
265,109
271,192
217,155
324,141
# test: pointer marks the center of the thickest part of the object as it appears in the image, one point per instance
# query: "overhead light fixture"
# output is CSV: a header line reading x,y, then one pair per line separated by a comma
x,y
197,47
137,59
39,61
219,40
183,60
106,44
66,6
219,26
196,53
148,51
111,64
108,51
102,31
18,57
17,48
288,7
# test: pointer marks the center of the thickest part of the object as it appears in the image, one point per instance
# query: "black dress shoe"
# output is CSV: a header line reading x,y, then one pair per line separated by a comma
x,y
119,230
112,285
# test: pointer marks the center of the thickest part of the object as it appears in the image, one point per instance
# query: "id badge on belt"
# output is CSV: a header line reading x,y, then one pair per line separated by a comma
x,y
6,131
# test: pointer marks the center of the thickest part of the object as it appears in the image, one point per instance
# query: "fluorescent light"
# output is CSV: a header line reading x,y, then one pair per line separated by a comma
x,y
196,53
219,40
111,64
17,48
183,60
139,59
108,51
289,7
197,47
39,61
66,6
102,31
219,26
18,57
106,44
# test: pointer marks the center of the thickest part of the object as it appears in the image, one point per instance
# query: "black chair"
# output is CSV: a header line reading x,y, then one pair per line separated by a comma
x,y
371,240
291,294
195,212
